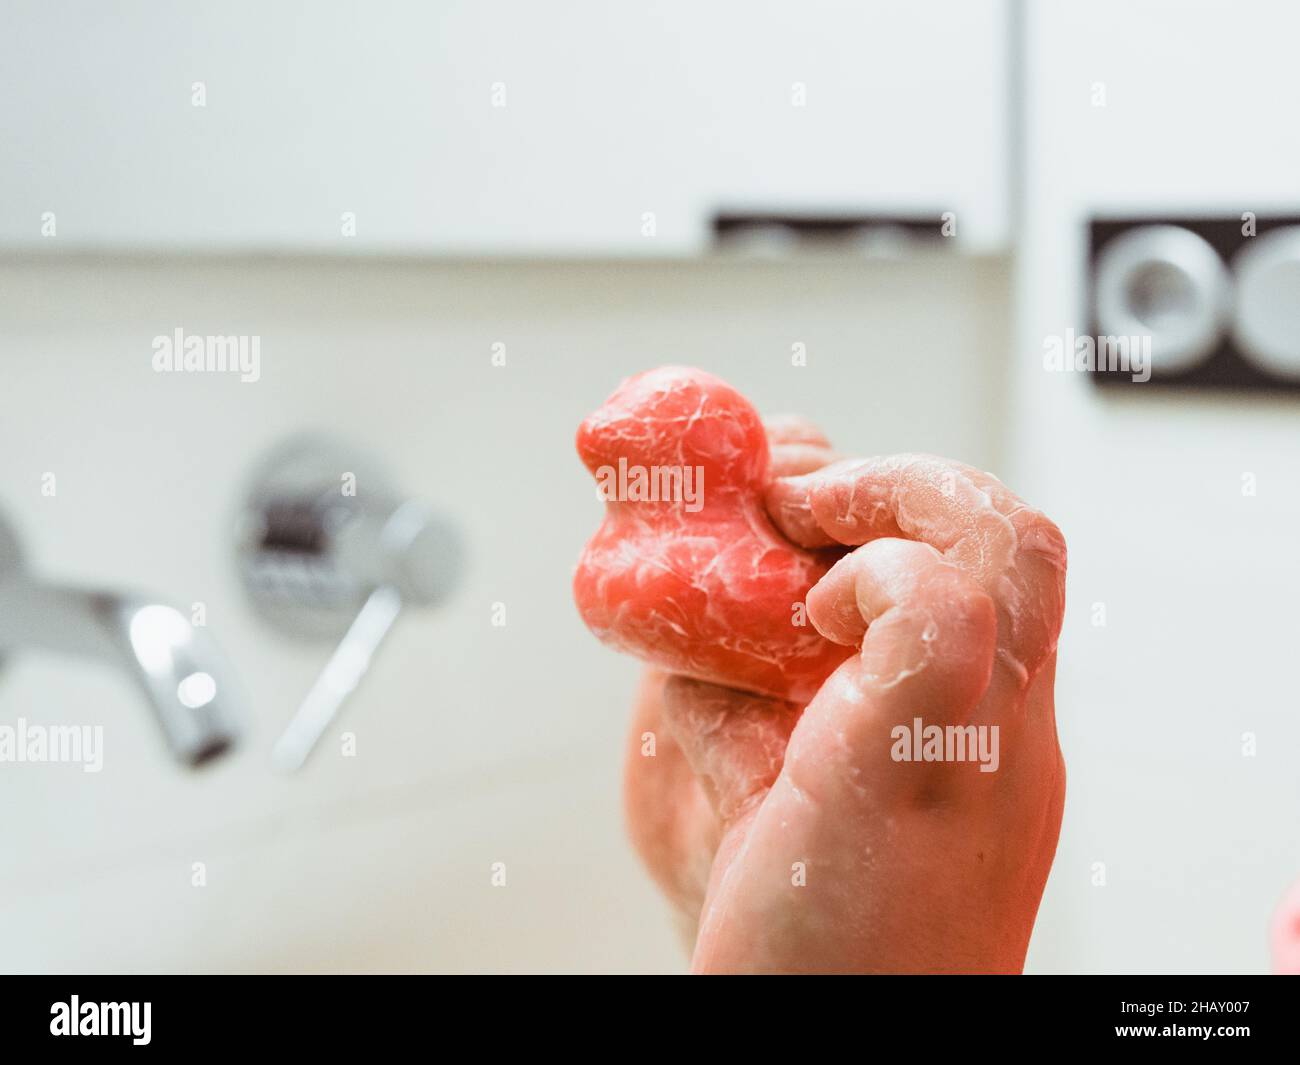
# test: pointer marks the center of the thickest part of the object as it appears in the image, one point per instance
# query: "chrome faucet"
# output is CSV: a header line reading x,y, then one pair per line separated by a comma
x,y
177,665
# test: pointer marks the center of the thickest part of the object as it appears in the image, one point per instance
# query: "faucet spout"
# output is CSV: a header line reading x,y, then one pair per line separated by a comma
x,y
178,667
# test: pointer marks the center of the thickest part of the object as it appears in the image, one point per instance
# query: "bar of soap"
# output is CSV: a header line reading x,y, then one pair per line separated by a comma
x,y
686,572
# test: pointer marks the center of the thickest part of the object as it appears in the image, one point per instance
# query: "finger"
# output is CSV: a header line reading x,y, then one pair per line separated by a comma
x,y
793,429
1031,594
733,740
786,499
923,498
797,446
792,459
790,505
1016,553
927,629
1034,590
865,583
791,495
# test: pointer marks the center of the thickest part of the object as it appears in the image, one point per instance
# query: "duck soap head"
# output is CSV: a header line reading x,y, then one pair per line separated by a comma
x,y
686,572
676,421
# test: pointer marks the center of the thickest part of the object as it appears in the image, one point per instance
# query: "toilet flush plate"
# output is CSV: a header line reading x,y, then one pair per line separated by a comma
x,y
1206,299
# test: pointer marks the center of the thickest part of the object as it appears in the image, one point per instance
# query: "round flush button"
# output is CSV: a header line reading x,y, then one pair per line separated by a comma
x,y
1167,283
1267,326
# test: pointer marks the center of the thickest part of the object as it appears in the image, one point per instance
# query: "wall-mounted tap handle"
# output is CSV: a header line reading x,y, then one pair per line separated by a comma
x,y
342,673
328,548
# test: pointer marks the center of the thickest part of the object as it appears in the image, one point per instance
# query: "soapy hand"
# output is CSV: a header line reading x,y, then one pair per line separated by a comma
x,y
864,832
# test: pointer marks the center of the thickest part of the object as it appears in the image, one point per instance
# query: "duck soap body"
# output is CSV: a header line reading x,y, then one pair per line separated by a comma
x,y
686,571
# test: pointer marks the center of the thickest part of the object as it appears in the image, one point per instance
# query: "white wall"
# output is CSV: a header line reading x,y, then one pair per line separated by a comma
x,y
1198,581
503,128
475,744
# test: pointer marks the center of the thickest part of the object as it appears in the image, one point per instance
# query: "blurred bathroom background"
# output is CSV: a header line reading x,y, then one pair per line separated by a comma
x,y
454,228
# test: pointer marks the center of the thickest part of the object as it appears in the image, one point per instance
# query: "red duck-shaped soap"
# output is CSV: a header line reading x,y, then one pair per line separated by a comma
x,y
686,571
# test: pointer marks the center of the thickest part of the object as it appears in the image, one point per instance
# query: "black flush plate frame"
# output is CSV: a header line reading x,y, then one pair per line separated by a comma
x,y
1224,369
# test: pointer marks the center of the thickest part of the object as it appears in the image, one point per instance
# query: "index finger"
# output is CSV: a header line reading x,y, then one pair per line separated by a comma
x,y
920,497
1015,553
796,445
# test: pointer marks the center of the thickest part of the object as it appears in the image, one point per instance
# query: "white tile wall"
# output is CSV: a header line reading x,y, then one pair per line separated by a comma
x,y
1199,581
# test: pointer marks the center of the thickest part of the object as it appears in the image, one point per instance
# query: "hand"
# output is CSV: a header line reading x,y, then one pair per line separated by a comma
x,y
790,839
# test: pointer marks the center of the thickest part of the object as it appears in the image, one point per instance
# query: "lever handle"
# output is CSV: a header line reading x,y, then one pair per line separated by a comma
x,y
319,560
342,673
